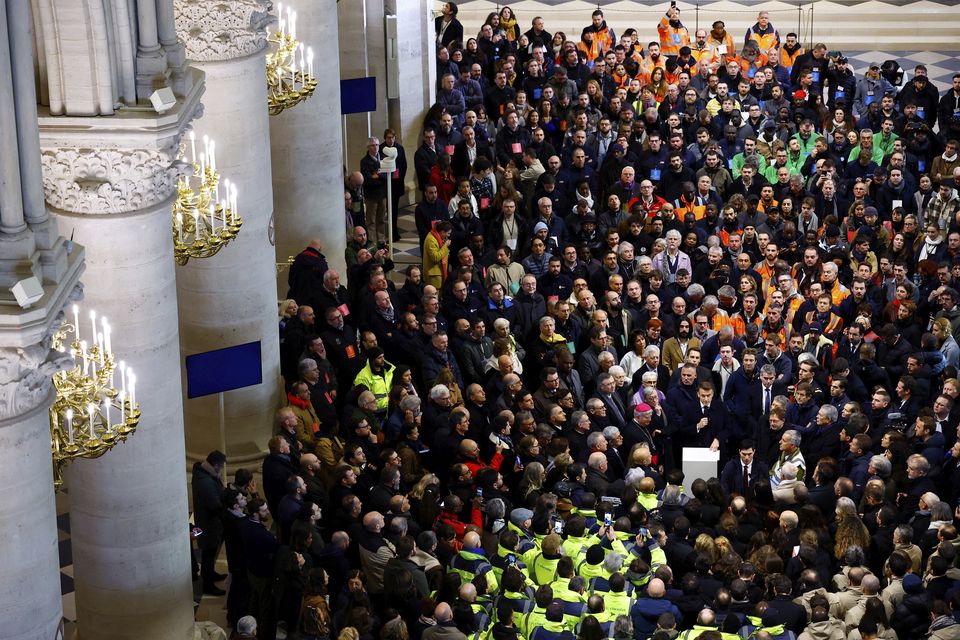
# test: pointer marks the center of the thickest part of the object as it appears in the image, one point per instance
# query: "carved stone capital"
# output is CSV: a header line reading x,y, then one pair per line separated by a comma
x,y
115,165
110,180
26,371
215,30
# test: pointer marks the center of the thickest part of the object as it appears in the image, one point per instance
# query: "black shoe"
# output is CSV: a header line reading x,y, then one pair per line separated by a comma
x,y
396,237
213,590
219,577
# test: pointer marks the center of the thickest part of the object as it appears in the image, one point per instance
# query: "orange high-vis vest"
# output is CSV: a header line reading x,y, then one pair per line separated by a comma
x,y
672,39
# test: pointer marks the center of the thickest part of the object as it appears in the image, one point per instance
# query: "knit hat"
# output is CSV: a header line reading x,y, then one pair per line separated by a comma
x,y
912,584
870,211
540,226
374,352
616,147
800,94
595,554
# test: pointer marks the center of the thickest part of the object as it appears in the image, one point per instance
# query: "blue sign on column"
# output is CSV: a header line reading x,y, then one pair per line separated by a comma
x,y
358,95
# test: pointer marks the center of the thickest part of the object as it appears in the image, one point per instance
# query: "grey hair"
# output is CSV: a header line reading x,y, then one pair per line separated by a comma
x,y
623,628
399,526
793,435
613,562
846,506
769,369
610,432
594,439
710,300
410,403
651,350
439,391
577,416
671,494
830,411
788,471
307,364
650,392
673,233
696,290
881,465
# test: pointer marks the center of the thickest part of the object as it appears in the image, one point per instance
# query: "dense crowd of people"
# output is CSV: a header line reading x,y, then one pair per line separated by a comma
x,y
628,250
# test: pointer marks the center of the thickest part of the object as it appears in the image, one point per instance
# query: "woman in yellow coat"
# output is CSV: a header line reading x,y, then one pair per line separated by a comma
x,y
436,253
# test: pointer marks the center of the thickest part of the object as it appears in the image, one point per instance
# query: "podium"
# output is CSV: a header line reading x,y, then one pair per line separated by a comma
x,y
699,462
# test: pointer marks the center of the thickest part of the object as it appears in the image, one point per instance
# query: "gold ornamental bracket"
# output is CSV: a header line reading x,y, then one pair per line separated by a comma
x,y
90,415
290,78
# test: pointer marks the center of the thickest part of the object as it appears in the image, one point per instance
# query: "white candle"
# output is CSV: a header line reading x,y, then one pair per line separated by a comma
x,y
123,410
293,25
233,204
180,225
310,61
290,22
280,14
206,144
83,352
303,63
133,393
213,217
91,409
100,348
106,412
213,156
203,164
193,147
70,425
93,323
76,322
122,366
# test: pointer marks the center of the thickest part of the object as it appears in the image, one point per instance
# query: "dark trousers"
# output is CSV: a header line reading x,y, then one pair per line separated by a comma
x,y
208,562
238,598
263,606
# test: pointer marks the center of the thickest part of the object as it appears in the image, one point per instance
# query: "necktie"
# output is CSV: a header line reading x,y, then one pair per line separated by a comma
x,y
616,410
766,400
746,481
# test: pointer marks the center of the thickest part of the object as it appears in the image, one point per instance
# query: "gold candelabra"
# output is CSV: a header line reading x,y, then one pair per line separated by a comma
x,y
290,78
89,415
203,221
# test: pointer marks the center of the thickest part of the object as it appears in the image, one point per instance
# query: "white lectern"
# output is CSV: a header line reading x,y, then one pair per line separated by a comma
x,y
698,462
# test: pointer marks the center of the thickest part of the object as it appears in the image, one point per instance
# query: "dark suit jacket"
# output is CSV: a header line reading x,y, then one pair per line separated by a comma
x,y
718,425
613,414
461,161
755,417
731,478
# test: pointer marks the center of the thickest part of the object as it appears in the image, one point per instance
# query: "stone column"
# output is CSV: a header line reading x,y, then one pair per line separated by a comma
x,y
416,58
30,600
362,56
230,299
306,147
129,517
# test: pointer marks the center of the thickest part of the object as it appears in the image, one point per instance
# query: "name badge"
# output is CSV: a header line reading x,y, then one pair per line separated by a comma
x,y
676,38
516,147
922,164
512,243
484,202
654,174
537,93
920,112
396,174
869,99
816,75
722,49
344,311
751,72
896,203
839,94
571,348
448,149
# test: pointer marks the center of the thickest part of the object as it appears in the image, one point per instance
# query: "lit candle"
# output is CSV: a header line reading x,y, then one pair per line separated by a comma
x,y
83,352
203,164
310,61
213,217
280,14
213,156
293,25
180,226
206,144
193,147
70,425
196,221
303,64
91,409
76,322
100,348
122,396
290,22
233,204
122,366
106,412
93,323
133,393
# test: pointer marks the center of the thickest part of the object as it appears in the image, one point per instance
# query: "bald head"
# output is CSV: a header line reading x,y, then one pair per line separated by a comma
x,y
468,592
870,585
443,613
471,540
655,588
373,521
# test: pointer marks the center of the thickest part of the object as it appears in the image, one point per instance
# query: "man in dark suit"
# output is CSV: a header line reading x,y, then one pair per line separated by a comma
x,y
468,151
760,398
740,475
708,424
606,393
